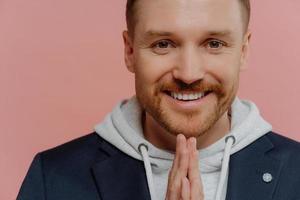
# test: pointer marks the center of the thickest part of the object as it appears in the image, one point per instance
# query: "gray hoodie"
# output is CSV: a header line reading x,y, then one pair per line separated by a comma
x,y
123,129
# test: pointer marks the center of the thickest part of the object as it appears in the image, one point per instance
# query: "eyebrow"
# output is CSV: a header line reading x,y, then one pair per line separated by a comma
x,y
152,33
219,33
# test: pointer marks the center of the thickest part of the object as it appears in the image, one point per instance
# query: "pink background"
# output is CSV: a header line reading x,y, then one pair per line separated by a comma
x,y
62,70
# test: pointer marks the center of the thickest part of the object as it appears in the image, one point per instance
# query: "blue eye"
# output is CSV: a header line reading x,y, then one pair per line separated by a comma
x,y
215,44
162,47
162,44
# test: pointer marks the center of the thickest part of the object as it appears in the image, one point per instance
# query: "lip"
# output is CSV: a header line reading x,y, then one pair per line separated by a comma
x,y
187,106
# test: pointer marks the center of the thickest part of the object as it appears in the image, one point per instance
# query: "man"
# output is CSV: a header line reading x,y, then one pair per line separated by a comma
x,y
185,135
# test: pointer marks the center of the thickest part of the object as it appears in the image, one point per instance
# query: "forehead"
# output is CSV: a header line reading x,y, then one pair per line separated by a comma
x,y
189,15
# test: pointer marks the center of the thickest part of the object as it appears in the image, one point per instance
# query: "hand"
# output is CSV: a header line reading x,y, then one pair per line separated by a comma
x,y
184,178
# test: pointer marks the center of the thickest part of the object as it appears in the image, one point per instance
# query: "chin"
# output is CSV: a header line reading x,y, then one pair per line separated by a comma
x,y
189,126
191,131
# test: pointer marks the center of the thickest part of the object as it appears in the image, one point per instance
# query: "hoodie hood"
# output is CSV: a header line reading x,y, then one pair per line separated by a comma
x,y
123,129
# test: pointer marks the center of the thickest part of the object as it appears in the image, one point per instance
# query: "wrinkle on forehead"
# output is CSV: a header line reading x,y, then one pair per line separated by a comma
x,y
189,15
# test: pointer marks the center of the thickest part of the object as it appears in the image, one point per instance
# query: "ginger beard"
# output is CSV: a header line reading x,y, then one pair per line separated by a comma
x,y
191,123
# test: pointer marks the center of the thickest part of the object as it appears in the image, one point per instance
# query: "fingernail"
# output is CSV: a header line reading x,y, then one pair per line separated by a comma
x,y
193,142
180,137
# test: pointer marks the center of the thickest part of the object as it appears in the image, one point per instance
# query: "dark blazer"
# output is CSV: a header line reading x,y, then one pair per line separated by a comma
x,y
89,168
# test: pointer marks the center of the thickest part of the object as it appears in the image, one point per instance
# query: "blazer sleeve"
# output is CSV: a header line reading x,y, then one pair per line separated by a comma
x,y
33,187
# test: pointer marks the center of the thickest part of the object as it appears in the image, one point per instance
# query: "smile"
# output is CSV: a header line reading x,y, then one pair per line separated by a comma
x,y
190,96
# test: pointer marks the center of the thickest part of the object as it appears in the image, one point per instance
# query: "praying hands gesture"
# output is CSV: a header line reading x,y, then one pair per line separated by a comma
x,y
184,178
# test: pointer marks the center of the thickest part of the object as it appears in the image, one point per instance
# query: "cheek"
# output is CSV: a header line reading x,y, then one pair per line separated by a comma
x,y
151,68
224,68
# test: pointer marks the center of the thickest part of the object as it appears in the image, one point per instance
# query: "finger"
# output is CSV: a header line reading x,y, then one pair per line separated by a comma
x,y
182,171
179,168
196,188
193,170
180,145
183,157
185,189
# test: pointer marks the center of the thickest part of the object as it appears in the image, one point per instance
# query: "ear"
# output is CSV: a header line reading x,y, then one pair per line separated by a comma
x,y
245,50
128,51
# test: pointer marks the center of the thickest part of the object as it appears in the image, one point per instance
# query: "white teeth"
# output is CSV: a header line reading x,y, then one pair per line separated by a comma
x,y
185,97
181,96
175,95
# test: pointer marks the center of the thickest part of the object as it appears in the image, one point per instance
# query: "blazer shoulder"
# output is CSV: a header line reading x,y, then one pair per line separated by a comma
x,y
284,147
75,152
83,143
57,170
283,142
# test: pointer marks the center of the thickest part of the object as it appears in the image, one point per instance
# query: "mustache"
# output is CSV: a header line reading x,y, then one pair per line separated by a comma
x,y
197,86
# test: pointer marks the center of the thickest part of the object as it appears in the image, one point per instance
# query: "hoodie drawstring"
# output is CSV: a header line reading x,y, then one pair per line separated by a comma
x,y
143,148
229,142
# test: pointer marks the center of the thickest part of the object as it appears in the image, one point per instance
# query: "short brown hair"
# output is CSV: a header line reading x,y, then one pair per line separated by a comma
x,y
131,10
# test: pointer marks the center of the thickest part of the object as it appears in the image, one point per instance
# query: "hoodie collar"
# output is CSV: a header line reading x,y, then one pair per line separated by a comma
x,y
123,129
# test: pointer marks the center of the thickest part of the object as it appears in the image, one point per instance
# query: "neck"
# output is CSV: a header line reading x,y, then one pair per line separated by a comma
x,y
161,138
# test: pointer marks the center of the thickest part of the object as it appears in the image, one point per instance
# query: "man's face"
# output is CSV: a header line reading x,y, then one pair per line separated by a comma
x,y
186,57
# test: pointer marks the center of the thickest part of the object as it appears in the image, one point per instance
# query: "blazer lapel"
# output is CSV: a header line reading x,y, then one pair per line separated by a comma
x,y
246,171
120,177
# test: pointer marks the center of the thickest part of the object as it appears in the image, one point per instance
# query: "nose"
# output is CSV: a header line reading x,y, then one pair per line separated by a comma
x,y
189,67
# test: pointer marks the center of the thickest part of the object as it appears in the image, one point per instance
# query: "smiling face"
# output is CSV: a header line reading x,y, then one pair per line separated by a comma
x,y
186,57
